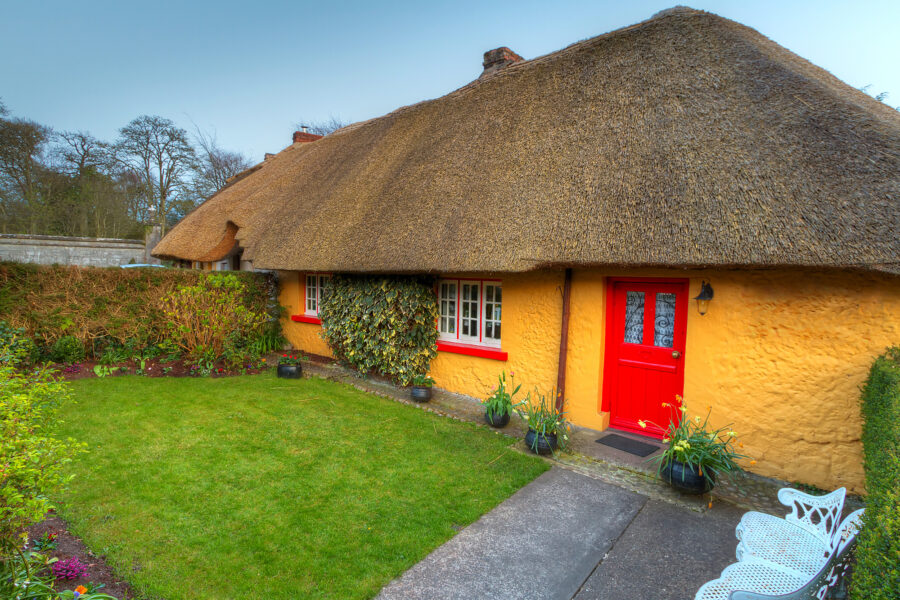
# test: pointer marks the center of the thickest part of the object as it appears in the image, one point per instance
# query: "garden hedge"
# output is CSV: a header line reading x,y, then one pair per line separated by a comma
x,y
877,573
103,306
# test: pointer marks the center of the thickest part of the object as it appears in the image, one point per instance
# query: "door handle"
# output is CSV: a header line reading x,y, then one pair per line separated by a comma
x,y
676,354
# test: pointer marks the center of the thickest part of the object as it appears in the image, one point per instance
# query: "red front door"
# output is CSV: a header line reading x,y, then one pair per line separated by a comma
x,y
644,364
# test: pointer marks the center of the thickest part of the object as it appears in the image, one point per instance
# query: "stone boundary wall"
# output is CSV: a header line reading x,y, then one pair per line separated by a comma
x,y
84,252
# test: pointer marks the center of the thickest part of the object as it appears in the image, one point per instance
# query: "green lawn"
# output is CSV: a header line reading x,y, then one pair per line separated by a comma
x,y
258,487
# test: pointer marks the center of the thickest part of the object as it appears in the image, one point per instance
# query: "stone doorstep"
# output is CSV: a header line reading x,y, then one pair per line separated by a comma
x,y
585,456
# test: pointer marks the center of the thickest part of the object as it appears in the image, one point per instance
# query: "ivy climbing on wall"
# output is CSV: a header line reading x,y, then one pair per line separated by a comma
x,y
381,324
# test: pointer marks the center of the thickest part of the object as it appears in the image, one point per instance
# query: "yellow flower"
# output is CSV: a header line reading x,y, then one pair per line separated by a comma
x,y
740,444
683,409
697,419
732,434
643,424
665,440
665,404
752,462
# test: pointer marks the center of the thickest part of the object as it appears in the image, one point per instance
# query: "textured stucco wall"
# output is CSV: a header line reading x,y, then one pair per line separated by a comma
x,y
302,336
84,252
531,315
780,354
783,355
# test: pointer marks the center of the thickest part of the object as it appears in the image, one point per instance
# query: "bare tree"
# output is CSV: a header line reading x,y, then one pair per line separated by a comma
x,y
215,166
159,152
22,146
79,151
323,127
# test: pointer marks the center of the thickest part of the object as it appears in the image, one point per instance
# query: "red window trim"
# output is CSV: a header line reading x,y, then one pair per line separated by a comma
x,y
472,350
306,319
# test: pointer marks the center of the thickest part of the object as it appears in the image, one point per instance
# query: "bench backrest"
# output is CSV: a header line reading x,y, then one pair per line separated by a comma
x,y
820,515
829,575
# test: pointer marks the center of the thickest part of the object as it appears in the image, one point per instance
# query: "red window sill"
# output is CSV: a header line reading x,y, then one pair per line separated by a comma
x,y
306,319
472,350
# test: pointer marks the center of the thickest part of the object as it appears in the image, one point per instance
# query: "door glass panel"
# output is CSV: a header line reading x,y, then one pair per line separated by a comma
x,y
664,325
634,318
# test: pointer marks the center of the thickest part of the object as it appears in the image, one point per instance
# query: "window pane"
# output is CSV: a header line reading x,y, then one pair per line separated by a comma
x,y
634,318
470,309
492,312
448,308
311,305
664,325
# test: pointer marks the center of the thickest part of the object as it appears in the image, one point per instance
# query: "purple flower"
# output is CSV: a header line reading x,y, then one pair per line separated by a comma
x,y
71,568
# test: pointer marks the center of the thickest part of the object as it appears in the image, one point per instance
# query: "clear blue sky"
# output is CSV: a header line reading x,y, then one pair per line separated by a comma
x,y
251,70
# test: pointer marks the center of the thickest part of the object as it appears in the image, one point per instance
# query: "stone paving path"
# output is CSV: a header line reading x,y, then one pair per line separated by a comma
x,y
567,535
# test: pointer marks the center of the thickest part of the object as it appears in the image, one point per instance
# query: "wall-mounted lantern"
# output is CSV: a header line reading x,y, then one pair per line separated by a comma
x,y
703,298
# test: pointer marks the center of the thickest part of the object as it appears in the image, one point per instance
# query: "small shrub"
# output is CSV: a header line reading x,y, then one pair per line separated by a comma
x,y
16,347
877,573
32,459
206,318
67,349
382,325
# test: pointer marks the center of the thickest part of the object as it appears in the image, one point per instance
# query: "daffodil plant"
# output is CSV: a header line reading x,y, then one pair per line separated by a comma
x,y
693,442
542,416
500,402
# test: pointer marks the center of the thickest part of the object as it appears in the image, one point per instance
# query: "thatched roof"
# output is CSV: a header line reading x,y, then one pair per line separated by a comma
x,y
685,140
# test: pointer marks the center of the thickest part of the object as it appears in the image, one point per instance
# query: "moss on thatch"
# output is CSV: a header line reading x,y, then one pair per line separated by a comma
x,y
685,140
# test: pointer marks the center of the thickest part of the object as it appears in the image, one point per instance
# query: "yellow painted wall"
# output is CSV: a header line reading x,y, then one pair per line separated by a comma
x,y
302,336
780,354
532,303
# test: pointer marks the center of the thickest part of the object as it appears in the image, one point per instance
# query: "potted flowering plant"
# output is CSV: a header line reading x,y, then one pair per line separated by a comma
x,y
499,405
547,425
289,366
696,453
421,388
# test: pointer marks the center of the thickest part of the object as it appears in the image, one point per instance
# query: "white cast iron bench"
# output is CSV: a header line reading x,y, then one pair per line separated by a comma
x,y
799,557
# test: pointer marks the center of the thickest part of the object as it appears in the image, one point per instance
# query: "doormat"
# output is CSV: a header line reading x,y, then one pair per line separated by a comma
x,y
628,445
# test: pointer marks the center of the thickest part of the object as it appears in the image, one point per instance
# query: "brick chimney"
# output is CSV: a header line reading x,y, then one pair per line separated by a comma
x,y
496,59
304,135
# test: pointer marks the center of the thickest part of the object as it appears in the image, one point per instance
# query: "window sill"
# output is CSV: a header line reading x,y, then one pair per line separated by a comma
x,y
472,350
306,319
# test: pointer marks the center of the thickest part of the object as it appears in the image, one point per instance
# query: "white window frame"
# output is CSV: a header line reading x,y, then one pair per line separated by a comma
x,y
318,281
458,337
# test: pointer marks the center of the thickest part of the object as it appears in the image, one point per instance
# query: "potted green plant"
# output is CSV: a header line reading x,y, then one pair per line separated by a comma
x,y
696,454
547,425
499,405
420,390
289,366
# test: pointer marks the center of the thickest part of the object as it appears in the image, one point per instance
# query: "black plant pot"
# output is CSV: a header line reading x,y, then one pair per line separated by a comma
x,y
495,420
540,443
420,393
686,479
290,371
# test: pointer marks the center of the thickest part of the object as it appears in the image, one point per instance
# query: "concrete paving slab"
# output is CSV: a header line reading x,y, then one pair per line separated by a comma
x,y
543,542
666,553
